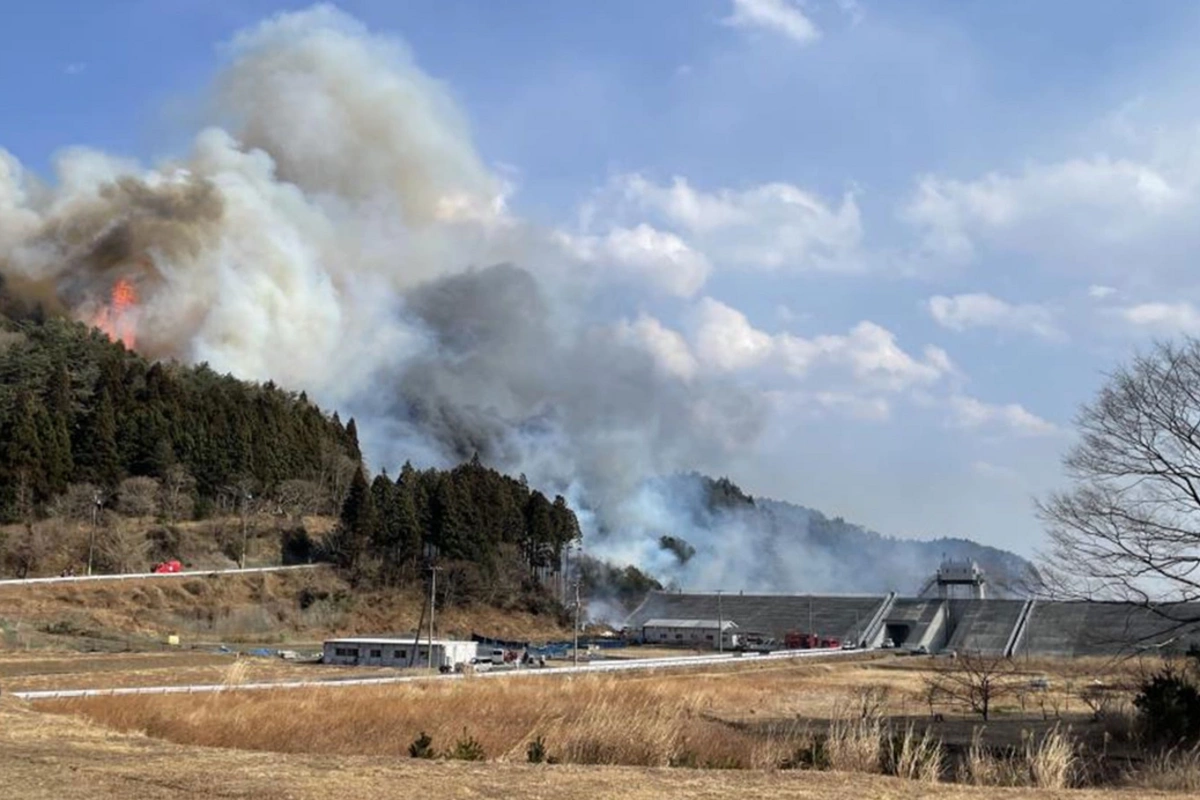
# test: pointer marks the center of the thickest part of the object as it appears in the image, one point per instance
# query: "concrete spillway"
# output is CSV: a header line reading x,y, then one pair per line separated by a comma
x,y
983,626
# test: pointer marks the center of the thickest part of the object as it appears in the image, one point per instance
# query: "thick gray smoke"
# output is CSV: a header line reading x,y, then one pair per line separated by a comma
x,y
335,230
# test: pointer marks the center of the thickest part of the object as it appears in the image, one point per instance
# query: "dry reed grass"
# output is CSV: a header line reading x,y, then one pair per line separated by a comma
x,y
917,758
1170,771
1051,761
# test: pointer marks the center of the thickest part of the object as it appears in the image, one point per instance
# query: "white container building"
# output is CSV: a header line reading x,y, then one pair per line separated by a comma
x,y
389,652
691,632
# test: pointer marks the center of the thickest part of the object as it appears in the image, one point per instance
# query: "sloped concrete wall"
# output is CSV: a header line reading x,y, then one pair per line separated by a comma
x,y
840,616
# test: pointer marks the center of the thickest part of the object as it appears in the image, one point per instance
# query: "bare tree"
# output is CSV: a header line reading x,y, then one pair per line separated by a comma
x,y
1129,529
76,503
138,497
123,546
973,681
176,496
298,498
336,471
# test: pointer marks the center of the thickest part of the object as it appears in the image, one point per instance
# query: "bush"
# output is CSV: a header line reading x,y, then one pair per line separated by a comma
x,y
536,751
1169,703
467,749
811,755
422,747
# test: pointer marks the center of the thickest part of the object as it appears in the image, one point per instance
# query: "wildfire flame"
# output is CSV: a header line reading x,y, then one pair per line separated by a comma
x,y
116,319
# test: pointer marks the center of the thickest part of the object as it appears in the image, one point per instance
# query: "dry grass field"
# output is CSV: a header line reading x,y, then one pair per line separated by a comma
x,y
864,717
47,757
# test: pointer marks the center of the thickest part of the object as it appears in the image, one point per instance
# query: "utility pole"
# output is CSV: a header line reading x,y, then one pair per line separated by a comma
x,y
97,502
576,649
720,625
433,571
246,498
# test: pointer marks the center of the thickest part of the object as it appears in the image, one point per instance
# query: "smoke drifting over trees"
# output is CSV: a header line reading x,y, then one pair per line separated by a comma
x,y
335,230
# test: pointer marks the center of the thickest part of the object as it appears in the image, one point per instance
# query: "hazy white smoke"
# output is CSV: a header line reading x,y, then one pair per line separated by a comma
x,y
335,230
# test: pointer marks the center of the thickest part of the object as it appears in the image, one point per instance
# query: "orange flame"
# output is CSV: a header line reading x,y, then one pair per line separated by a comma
x,y
116,319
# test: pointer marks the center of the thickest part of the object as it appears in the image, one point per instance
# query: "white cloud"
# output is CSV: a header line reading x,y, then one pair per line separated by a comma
x,y
668,347
663,259
773,226
1072,210
725,340
780,16
1098,292
968,412
868,354
996,471
980,310
1164,317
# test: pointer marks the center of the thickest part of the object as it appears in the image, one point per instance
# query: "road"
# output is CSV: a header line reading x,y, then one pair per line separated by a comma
x,y
126,576
733,659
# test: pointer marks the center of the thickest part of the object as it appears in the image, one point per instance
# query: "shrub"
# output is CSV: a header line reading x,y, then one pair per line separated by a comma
x,y
422,747
536,751
811,755
1169,704
467,749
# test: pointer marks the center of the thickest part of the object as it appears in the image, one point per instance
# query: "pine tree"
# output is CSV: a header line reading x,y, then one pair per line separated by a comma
x,y
352,441
356,527
59,460
97,444
22,457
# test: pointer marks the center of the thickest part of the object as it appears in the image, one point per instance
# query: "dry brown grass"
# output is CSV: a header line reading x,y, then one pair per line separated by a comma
x,y
47,757
1173,770
760,717
1049,761
260,608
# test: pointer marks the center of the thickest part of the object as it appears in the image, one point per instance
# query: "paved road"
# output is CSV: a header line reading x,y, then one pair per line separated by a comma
x,y
126,576
602,666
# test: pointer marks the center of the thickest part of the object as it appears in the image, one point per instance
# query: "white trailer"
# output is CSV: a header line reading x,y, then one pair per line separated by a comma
x,y
391,652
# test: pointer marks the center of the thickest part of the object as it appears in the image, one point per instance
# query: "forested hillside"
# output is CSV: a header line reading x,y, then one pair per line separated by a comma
x,y
76,408
790,548
94,436
492,537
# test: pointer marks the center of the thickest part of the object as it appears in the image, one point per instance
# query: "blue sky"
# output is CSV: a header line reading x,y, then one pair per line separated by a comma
x,y
926,227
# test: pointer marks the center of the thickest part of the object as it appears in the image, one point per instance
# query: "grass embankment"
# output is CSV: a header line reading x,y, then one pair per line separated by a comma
x,y
258,608
848,718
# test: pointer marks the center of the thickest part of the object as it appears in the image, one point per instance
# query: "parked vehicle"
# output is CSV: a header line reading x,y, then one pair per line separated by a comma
x,y
794,640
172,565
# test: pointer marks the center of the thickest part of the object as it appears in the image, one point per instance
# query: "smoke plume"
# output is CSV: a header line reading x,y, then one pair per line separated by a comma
x,y
335,230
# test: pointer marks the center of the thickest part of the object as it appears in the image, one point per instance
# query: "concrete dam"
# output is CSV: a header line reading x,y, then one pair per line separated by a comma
x,y
999,627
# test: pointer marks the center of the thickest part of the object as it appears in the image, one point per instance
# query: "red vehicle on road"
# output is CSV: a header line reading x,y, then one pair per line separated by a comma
x,y
172,565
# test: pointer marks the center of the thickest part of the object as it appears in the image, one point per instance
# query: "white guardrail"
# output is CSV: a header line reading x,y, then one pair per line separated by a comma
x,y
127,576
604,666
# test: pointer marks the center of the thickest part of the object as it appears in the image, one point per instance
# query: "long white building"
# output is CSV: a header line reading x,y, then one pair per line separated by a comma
x,y
391,652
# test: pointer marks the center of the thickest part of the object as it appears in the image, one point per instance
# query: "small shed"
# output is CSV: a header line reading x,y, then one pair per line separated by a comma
x,y
398,652
690,632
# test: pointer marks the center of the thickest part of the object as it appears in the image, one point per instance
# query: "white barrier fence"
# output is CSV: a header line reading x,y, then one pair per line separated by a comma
x,y
126,576
604,666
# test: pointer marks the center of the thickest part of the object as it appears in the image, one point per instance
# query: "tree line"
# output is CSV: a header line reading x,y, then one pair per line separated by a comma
x,y
491,536
76,408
